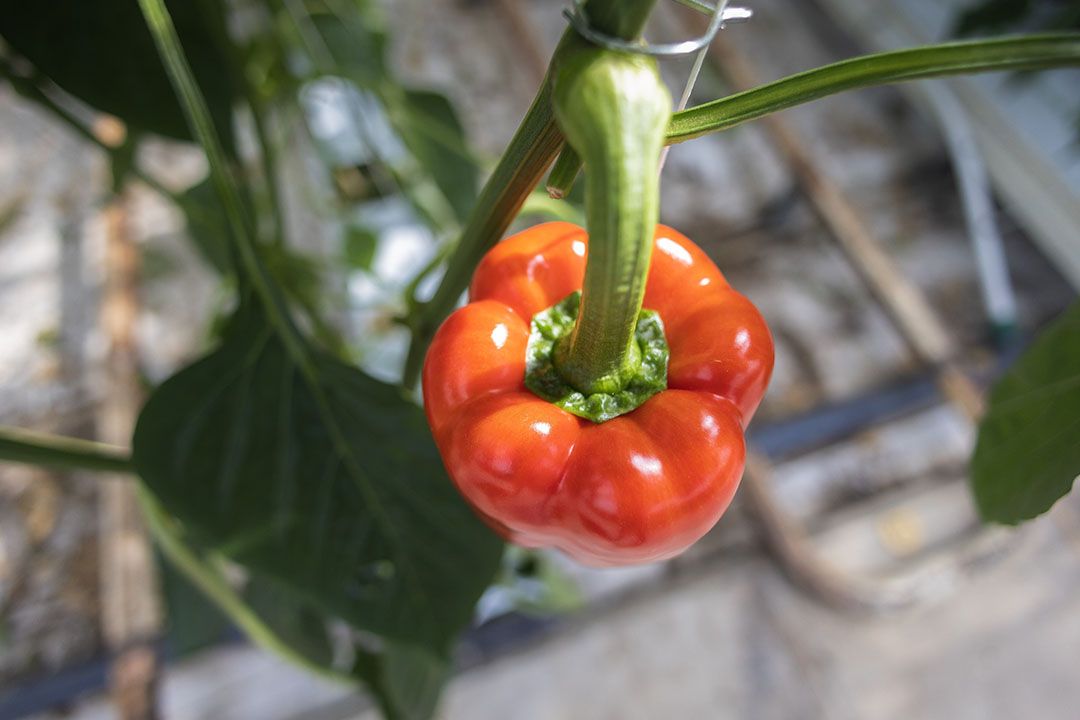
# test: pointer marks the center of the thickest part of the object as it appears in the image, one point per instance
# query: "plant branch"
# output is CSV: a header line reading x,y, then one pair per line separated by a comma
x,y
1024,52
33,92
33,448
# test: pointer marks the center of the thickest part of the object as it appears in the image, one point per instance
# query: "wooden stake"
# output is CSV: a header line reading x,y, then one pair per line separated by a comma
x,y
131,610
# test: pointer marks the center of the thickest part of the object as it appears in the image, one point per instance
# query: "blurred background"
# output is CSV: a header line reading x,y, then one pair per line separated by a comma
x,y
904,244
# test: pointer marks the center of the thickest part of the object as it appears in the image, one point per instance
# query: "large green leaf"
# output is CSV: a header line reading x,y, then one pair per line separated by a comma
x,y
207,224
101,52
325,481
196,622
193,621
297,623
406,680
1028,451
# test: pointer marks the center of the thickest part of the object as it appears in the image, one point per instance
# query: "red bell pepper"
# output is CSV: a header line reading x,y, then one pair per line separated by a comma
x,y
637,488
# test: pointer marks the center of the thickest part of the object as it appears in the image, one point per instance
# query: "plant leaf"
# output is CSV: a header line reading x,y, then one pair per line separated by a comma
x,y
101,52
360,246
193,622
207,225
406,680
1028,451
432,132
299,624
328,484
424,121
296,630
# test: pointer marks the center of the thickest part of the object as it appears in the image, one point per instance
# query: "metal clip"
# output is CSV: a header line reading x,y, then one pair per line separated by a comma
x,y
721,15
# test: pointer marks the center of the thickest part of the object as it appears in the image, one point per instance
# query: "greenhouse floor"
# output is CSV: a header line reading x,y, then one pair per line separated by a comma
x,y
733,639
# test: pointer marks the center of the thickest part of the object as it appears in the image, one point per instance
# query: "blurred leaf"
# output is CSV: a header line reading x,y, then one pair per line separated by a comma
x,y
430,129
358,47
324,480
1028,451
299,624
207,225
360,246
407,680
277,621
101,52
425,121
298,275
193,622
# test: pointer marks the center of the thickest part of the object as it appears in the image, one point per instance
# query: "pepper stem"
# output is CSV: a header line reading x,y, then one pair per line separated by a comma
x,y
614,109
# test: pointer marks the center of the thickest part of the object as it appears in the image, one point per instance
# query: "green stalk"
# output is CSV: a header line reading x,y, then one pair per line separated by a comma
x,y
564,173
1023,52
33,448
613,108
268,150
533,147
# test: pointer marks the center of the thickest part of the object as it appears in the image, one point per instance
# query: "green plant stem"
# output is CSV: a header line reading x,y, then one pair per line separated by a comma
x,y
614,109
33,448
1024,52
521,167
564,173
268,149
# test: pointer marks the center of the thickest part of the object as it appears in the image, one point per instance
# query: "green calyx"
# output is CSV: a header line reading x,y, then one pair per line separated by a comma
x,y
642,378
614,110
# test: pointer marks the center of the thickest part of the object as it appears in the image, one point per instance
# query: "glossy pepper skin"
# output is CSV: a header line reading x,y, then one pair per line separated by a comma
x,y
639,488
